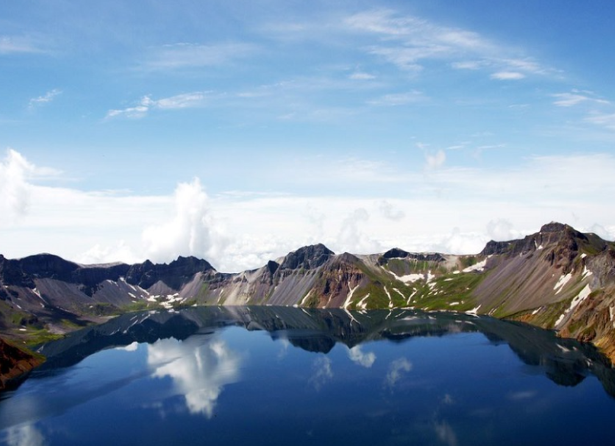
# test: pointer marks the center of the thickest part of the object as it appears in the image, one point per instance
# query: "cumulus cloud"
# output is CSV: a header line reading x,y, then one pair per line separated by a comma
x,y
15,190
396,370
352,237
357,356
192,230
390,212
500,229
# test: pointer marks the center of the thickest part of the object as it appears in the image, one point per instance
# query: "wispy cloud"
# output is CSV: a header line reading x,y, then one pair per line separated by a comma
x,y
146,104
408,41
44,99
395,99
606,120
507,75
186,55
14,45
360,76
576,97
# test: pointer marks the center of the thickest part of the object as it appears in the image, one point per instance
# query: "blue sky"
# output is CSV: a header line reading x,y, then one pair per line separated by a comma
x,y
240,130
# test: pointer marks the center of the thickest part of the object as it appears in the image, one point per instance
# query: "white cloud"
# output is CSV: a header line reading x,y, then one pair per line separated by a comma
x,y
360,76
435,160
396,369
15,190
507,75
187,55
357,356
575,97
242,231
500,230
46,98
12,44
191,231
605,120
390,212
200,368
352,237
146,104
396,99
407,41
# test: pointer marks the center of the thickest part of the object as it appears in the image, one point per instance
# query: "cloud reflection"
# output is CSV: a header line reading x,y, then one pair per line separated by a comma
x,y
357,356
200,367
24,435
445,433
396,369
322,372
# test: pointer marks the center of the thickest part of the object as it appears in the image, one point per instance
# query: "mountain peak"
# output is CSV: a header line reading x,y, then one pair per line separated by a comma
x,y
555,227
307,257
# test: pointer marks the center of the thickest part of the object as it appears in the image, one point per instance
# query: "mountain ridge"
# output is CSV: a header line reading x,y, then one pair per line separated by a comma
x,y
558,278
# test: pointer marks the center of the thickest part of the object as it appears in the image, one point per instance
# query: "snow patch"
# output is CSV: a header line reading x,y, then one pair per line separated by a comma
x,y
473,311
586,272
389,296
480,266
348,298
363,303
583,255
563,280
585,292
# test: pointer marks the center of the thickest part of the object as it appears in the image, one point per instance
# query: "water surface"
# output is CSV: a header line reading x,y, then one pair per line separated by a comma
x,y
287,376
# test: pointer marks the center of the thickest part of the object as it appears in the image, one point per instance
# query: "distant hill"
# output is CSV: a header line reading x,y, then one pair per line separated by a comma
x,y
557,278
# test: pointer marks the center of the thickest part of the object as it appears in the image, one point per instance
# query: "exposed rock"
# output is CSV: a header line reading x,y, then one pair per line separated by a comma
x,y
14,363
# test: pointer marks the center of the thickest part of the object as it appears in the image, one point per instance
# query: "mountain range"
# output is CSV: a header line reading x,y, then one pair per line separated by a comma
x,y
558,278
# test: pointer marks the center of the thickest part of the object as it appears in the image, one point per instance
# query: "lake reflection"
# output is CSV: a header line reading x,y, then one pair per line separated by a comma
x,y
305,377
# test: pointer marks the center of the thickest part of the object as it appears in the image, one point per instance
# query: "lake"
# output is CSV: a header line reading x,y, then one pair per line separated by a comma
x,y
290,376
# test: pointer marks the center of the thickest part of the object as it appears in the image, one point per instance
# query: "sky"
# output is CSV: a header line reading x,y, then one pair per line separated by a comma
x,y
238,131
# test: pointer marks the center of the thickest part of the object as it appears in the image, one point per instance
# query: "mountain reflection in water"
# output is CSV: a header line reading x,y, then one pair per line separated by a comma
x,y
169,369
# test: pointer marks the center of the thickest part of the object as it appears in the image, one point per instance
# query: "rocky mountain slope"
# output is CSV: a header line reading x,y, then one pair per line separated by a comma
x,y
558,278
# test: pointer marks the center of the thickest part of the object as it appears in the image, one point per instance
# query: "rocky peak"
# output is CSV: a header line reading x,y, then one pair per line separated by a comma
x,y
308,257
397,253
175,274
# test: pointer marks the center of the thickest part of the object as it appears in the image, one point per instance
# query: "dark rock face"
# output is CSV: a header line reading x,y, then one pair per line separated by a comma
x,y
308,257
175,274
397,253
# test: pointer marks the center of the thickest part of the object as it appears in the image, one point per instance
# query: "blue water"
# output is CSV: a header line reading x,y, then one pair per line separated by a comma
x,y
289,377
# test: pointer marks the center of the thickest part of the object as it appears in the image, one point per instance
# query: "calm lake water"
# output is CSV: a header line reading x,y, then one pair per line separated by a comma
x,y
287,376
